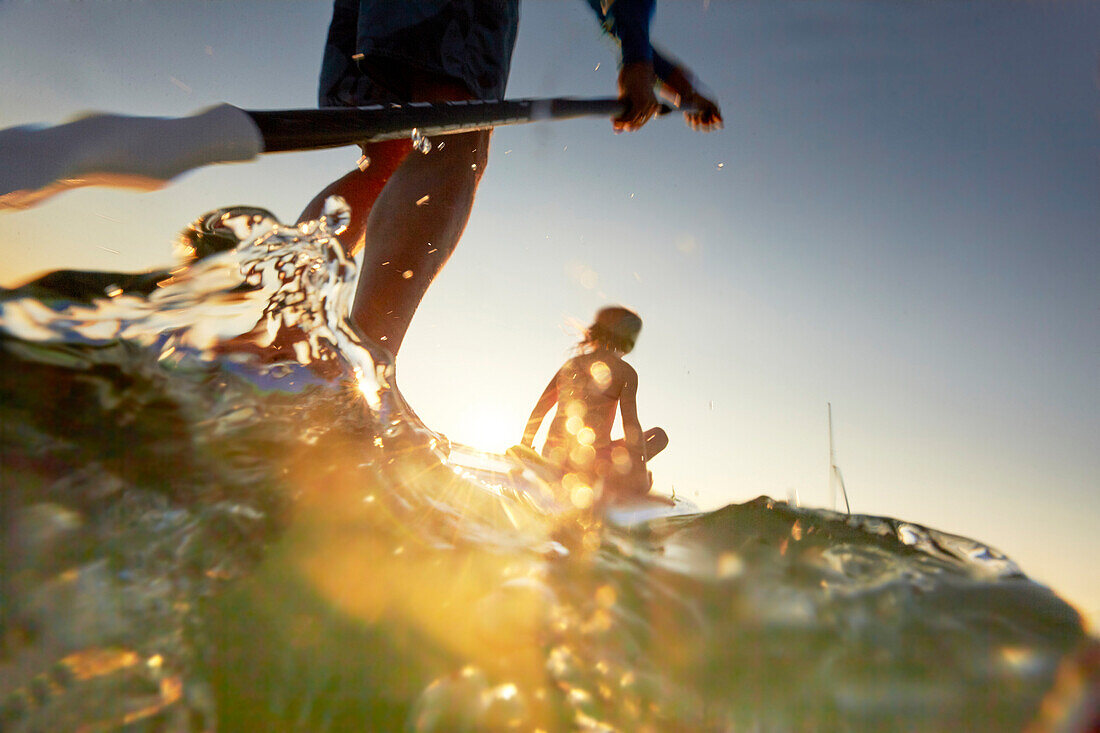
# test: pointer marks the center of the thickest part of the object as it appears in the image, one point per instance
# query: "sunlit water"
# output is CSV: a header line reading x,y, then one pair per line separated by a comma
x,y
219,513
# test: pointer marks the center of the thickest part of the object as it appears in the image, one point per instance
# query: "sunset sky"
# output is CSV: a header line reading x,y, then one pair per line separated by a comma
x,y
901,219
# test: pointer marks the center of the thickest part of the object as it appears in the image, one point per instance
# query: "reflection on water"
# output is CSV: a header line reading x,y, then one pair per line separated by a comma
x,y
219,513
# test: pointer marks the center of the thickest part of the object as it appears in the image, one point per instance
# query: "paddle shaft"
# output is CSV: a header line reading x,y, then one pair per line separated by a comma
x,y
316,129
146,152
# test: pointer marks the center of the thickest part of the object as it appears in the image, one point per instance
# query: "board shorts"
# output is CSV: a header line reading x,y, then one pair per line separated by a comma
x,y
380,51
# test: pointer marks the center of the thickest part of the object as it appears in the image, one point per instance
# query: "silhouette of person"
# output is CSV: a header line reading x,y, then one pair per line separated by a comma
x,y
587,390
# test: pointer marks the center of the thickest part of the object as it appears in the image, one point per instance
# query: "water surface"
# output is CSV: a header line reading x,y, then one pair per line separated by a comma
x,y
219,513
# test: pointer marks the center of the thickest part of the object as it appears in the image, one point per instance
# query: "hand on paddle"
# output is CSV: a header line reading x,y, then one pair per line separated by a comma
x,y
637,83
701,113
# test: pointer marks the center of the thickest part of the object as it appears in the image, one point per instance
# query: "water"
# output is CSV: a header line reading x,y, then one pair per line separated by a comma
x,y
219,513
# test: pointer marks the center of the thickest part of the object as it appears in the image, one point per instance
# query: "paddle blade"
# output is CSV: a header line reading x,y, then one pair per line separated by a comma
x,y
119,150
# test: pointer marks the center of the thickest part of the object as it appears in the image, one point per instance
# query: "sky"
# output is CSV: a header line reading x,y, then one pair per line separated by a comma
x,y
900,219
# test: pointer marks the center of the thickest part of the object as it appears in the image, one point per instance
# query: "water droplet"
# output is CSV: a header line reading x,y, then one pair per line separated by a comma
x,y
363,163
407,274
422,200
721,165
420,142
687,244
179,84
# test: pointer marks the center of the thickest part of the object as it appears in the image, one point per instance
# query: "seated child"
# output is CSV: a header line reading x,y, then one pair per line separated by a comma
x,y
587,390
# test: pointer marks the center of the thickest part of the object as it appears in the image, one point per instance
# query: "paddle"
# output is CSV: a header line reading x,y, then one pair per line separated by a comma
x,y
147,152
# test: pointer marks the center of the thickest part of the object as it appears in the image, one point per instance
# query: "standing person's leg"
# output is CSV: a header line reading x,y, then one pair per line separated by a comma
x,y
360,188
408,208
344,83
412,230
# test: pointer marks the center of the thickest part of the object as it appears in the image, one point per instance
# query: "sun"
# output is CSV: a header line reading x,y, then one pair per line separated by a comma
x,y
488,429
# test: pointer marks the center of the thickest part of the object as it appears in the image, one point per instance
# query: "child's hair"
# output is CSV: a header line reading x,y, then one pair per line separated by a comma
x,y
615,327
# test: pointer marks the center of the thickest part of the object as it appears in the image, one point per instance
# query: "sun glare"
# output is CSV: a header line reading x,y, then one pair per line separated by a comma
x,y
489,430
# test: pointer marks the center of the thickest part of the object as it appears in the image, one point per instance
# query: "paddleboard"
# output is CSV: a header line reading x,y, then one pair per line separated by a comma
x,y
521,473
